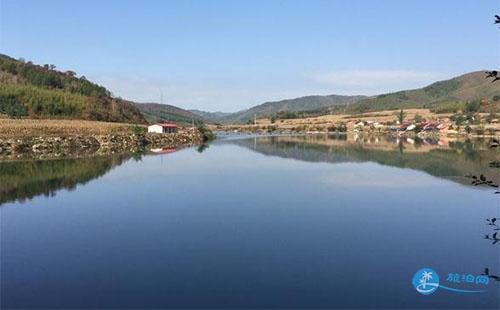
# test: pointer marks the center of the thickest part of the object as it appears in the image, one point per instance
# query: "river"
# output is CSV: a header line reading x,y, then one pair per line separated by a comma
x,y
252,222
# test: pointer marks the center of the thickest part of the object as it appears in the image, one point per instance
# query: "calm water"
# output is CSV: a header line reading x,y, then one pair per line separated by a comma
x,y
270,222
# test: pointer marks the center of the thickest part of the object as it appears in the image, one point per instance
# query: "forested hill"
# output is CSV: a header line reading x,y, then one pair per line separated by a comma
x,y
446,96
34,91
155,112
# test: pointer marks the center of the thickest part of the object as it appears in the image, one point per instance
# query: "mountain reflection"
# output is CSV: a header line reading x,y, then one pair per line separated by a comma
x,y
450,159
22,180
25,179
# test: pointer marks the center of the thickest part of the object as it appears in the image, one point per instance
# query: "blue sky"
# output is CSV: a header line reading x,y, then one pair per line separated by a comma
x,y
230,55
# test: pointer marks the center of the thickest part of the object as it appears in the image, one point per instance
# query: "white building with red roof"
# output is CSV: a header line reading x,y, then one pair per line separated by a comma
x,y
166,127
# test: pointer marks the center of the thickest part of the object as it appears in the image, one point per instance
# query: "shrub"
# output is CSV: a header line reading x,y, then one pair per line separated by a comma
x,y
472,106
138,130
207,134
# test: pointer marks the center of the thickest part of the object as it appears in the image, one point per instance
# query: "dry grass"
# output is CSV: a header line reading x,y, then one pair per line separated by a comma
x,y
321,123
36,127
382,116
326,120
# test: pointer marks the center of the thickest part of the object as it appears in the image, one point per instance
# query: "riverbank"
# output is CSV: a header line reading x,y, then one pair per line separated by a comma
x,y
416,121
54,138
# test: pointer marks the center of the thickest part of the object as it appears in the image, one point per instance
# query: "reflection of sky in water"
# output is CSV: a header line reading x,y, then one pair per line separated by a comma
x,y
232,227
373,175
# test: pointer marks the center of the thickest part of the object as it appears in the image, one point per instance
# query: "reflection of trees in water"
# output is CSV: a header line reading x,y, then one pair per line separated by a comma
x,y
454,162
22,180
451,162
203,147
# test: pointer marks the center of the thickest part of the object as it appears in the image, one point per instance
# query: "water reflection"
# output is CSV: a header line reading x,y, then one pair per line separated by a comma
x,y
454,160
233,228
25,179
164,150
445,158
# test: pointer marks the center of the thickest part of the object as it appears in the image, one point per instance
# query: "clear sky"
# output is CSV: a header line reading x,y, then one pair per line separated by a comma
x,y
230,55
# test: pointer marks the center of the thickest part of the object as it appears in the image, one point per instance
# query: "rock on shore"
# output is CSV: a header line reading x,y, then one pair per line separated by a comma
x,y
95,144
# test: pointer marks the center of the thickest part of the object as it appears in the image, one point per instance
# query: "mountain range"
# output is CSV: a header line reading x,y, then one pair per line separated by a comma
x,y
442,96
307,103
35,91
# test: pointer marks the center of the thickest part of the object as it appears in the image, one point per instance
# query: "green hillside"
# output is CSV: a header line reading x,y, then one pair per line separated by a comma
x,y
155,112
32,91
443,96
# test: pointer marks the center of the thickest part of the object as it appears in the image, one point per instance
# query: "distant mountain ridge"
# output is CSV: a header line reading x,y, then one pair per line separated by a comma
x,y
210,116
442,95
307,103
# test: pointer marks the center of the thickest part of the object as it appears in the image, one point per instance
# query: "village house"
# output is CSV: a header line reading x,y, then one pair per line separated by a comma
x,y
166,127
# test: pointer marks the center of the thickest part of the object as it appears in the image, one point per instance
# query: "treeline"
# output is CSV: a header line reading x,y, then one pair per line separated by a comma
x,y
29,90
47,76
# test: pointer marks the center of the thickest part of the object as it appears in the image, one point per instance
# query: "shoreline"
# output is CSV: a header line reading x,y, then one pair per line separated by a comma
x,y
87,145
48,138
405,134
44,139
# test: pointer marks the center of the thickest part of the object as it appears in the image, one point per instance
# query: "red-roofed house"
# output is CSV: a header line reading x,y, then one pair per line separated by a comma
x,y
166,127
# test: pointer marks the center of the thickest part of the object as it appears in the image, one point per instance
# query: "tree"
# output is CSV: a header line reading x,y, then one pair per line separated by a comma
x,y
418,118
472,106
401,115
459,119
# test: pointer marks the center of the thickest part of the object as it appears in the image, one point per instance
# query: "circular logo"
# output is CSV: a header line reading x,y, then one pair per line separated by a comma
x,y
425,281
